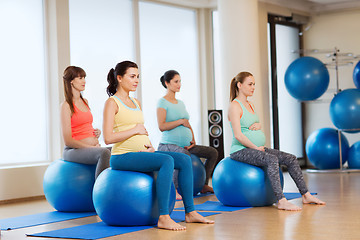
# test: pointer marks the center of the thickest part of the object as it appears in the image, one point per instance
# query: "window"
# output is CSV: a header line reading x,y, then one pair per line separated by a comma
x,y
286,111
23,87
101,35
168,40
219,84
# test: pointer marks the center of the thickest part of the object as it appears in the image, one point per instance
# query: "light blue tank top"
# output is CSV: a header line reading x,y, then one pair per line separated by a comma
x,y
180,136
255,136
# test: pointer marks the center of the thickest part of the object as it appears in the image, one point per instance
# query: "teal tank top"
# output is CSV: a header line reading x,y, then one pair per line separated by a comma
x,y
255,136
180,136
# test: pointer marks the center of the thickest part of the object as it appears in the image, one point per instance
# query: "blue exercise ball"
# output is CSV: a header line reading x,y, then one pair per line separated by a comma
x,y
307,78
345,110
199,173
242,185
322,148
354,156
68,186
126,198
356,75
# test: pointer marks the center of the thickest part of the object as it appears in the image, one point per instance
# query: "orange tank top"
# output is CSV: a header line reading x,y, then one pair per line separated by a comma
x,y
81,124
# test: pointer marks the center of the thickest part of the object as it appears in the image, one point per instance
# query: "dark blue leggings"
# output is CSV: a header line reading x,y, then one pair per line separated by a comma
x,y
164,163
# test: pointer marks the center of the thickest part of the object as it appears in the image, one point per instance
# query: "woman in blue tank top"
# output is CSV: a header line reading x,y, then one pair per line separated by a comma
x,y
177,134
248,143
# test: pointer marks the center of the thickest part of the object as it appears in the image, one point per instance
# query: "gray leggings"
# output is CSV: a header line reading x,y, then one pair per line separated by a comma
x,y
210,153
91,156
270,160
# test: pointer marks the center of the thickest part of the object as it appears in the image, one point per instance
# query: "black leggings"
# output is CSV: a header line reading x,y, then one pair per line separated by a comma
x,y
270,160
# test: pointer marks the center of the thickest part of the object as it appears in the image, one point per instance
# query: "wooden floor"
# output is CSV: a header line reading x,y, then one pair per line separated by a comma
x,y
339,219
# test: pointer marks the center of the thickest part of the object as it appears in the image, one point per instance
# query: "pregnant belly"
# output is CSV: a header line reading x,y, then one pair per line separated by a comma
x,y
181,136
257,137
93,141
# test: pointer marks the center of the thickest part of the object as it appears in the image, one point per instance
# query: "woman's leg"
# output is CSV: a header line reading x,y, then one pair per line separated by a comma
x,y
99,156
211,155
174,148
290,161
183,163
295,172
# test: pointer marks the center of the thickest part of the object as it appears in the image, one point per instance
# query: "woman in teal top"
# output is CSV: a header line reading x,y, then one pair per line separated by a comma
x,y
177,134
248,143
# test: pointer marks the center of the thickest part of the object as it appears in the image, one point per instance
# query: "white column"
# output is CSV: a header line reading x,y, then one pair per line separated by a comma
x,y
239,51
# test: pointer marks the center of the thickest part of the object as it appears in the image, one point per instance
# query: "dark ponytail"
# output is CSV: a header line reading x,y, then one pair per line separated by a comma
x,y
113,83
120,69
168,75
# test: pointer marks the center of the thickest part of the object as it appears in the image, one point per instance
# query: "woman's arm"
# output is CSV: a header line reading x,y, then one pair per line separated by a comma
x,y
235,113
192,142
165,126
110,136
65,115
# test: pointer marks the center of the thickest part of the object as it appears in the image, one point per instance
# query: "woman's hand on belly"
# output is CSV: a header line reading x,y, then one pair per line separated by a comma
x,y
97,132
255,126
92,141
149,148
192,144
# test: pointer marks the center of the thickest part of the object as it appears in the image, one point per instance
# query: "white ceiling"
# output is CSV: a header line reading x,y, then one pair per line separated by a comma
x,y
310,6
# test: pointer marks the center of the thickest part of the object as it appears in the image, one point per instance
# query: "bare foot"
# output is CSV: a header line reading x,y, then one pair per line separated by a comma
x,y
165,222
284,204
206,189
307,198
178,196
194,217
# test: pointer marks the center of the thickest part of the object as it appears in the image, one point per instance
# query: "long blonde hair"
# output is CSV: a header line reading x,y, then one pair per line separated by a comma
x,y
239,78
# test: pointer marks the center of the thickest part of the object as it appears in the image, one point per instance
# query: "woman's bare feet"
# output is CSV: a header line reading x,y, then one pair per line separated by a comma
x,y
194,217
307,198
284,204
165,222
178,196
206,189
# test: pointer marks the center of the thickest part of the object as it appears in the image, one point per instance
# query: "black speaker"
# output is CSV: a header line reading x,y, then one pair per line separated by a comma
x,y
216,139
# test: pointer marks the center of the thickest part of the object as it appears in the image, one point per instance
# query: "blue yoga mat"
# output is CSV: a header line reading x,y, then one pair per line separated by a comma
x,y
215,206
89,231
290,196
40,218
101,230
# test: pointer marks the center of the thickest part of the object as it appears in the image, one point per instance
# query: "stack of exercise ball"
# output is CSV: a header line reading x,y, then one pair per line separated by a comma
x,y
322,148
306,79
354,152
345,110
354,156
356,75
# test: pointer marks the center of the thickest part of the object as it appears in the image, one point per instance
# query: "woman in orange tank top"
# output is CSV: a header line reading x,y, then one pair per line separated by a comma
x,y
80,138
